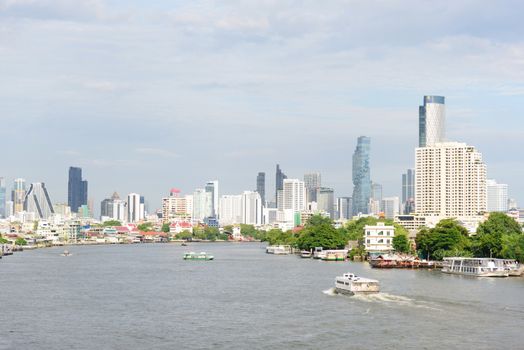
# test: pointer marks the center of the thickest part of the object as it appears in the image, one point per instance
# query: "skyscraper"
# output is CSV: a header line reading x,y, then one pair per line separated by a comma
x,y
251,208
76,189
2,198
391,207
135,209
344,207
408,191
432,119
212,187
230,209
361,176
279,183
202,205
326,200
294,195
37,201
313,183
261,186
18,195
497,196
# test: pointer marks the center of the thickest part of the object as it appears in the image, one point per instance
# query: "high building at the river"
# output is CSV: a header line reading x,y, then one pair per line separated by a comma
x,y
18,195
135,208
261,186
279,182
312,182
293,195
432,120
251,208
361,176
3,198
37,201
76,189
497,196
344,208
408,191
212,188
326,200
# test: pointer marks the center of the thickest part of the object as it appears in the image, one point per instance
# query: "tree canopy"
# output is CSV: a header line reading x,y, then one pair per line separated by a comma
x,y
495,236
448,238
319,232
401,243
111,223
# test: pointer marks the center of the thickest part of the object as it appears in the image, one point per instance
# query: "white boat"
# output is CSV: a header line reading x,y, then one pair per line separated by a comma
x,y
66,253
278,249
351,284
479,267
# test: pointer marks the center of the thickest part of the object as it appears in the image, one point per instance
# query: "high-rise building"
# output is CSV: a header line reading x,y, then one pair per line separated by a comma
x,y
230,209
512,203
202,205
294,195
37,201
177,207
313,182
212,187
326,200
279,183
391,207
135,209
450,181
408,191
3,198
76,189
18,195
106,208
261,186
361,176
344,208
432,119
9,209
251,208
497,196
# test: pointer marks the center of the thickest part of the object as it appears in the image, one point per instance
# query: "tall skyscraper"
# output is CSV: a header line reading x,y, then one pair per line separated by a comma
x,y
135,209
313,182
432,119
3,198
261,186
326,200
202,205
212,187
37,201
76,189
344,208
450,181
361,176
497,196
230,209
279,183
294,195
408,191
251,208
391,207
18,195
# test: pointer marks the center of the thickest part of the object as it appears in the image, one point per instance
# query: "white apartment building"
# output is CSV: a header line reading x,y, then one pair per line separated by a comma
x,y
252,213
391,206
202,205
450,181
497,196
230,209
135,209
294,195
378,238
177,207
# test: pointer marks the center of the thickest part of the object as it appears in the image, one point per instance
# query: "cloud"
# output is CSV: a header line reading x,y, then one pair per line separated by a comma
x,y
53,9
159,152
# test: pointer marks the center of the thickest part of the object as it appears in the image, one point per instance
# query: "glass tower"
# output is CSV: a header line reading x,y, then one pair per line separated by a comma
x,y
76,189
279,183
261,186
432,120
361,176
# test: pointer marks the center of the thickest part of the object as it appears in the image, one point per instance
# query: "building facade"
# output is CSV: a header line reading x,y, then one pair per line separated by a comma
x,y
344,208
37,201
326,201
3,198
294,195
432,120
261,186
391,207
279,182
18,195
379,237
76,189
497,196
231,209
408,191
312,182
135,209
252,209
361,176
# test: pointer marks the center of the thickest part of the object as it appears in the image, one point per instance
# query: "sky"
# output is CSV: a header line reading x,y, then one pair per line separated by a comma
x,y
149,95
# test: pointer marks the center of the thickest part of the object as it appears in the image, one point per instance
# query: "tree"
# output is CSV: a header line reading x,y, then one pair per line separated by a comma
x,y
20,241
3,240
111,223
277,236
448,238
319,232
401,243
513,247
166,228
489,238
145,227
184,235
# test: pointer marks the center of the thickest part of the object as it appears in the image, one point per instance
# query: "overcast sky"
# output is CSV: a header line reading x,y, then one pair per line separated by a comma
x,y
148,95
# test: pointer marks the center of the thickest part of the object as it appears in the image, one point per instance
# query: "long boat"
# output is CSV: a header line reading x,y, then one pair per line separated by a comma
x,y
351,284
478,267
200,256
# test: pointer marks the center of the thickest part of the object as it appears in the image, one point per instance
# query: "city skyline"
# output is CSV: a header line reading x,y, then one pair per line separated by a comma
x,y
214,118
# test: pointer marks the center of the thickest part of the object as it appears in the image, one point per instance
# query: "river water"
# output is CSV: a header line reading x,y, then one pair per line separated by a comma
x,y
146,297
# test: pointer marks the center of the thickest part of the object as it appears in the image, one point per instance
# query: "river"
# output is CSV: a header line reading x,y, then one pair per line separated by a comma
x,y
145,296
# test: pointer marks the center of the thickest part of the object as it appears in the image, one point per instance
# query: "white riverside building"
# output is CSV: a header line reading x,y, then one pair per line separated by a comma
x,y
177,207
294,195
252,212
135,209
497,196
379,237
230,209
450,182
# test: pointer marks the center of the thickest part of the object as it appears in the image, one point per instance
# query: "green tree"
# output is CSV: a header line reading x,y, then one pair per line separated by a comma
x,y
145,227
401,243
488,241
184,235
3,240
165,228
20,241
111,223
319,232
277,236
513,247
448,238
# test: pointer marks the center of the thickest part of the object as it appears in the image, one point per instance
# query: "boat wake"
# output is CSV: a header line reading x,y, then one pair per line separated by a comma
x,y
330,291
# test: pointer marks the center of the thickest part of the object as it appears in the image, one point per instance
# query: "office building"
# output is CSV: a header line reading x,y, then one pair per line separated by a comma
x,y
202,205
361,176
252,212
18,195
450,181
76,189
344,208
9,209
408,191
231,209
326,200
37,201
135,209
391,207
432,119
261,186
3,198
312,182
212,188
293,195
497,196
279,182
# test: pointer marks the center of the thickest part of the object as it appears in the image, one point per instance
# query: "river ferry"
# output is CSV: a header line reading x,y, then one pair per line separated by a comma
x,y
479,267
335,256
351,284
278,249
200,256
306,254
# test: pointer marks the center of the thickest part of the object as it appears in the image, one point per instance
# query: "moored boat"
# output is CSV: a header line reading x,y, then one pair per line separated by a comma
x,y
334,257
66,253
306,254
351,284
478,267
278,249
199,256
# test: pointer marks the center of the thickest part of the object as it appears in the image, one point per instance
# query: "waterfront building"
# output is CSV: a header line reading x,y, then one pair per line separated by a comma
x,y
497,196
344,208
177,207
119,210
279,182
379,237
261,186
9,209
293,195
512,203
202,205
408,191
230,212
361,176
432,119
76,189
212,187
312,182
412,223
37,201
270,216
252,213
3,198
391,207
18,195
135,209
326,200
450,181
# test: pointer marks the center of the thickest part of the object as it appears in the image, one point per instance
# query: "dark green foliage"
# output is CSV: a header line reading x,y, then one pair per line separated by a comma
x,y
112,223
319,232
20,241
494,236
165,228
277,236
145,227
401,243
448,238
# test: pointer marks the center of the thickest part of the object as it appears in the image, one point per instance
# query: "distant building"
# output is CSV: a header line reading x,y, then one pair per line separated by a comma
x,y
231,209
18,195
3,198
202,205
279,182
261,186
76,189
408,191
361,176
135,209
312,182
512,203
212,187
294,195
391,207
37,201
344,208
326,200
432,120
252,213
379,237
497,196
177,207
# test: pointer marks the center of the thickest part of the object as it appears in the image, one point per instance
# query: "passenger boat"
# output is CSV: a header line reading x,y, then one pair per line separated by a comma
x,y
278,249
479,267
306,254
513,267
334,257
200,256
351,284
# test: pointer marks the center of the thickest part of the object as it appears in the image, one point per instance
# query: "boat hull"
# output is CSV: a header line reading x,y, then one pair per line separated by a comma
x,y
483,274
